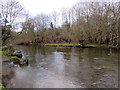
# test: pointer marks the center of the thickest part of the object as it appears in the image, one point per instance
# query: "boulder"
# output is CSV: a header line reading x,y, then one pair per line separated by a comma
x,y
15,59
23,61
18,54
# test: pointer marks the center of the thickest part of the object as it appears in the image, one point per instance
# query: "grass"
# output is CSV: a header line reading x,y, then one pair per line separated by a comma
x,y
100,46
63,44
5,53
2,87
0,53
82,46
14,57
78,45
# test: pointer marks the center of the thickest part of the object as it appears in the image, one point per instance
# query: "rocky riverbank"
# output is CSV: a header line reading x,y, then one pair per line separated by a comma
x,y
7,70
11,59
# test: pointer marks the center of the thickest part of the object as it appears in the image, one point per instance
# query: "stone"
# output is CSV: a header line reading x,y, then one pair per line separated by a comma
x,y
18,54
15,59
23,61
97,73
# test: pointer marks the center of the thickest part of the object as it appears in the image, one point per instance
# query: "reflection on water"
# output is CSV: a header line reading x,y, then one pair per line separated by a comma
x,y
63,67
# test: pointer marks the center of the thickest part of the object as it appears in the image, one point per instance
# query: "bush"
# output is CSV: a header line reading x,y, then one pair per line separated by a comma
x,y
2,87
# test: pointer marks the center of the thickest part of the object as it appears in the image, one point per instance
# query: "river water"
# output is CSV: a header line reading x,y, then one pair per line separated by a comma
x,y
66,67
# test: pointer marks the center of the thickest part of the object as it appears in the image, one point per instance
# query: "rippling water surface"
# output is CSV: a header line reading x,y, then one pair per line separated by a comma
x,y
66,67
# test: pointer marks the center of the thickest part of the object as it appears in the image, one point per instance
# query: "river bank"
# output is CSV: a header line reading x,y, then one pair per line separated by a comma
x,y
7,67
7,70
75,45
83,46
9,64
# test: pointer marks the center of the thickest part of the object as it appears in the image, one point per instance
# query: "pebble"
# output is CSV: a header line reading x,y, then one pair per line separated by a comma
x,y
46,68
99,68
105,75
11,63
97,73
98,82
16,65
94,83
101,79
82,84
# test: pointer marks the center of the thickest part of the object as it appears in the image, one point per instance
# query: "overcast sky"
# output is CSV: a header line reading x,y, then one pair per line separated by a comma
x,y
46,6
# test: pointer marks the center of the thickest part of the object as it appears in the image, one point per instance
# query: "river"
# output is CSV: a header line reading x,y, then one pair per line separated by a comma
x,y
66,67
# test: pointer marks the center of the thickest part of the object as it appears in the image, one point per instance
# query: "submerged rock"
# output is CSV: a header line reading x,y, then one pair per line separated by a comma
x,y
23,61
15,59
20,61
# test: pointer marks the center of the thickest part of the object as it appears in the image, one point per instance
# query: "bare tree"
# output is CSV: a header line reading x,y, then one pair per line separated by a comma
x,y
10,10
55,18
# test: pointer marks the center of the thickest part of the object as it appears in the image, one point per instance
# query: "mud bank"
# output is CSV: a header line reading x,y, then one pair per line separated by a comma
x,y
7,70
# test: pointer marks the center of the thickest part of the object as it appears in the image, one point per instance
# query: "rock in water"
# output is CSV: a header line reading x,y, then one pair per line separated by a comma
x,y
23,61
18,54
15,60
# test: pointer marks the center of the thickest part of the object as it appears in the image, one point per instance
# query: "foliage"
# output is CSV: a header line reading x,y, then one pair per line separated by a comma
x,y
9,11
95,23
2,87
64,44
0,53
7,50
5,53
15,57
